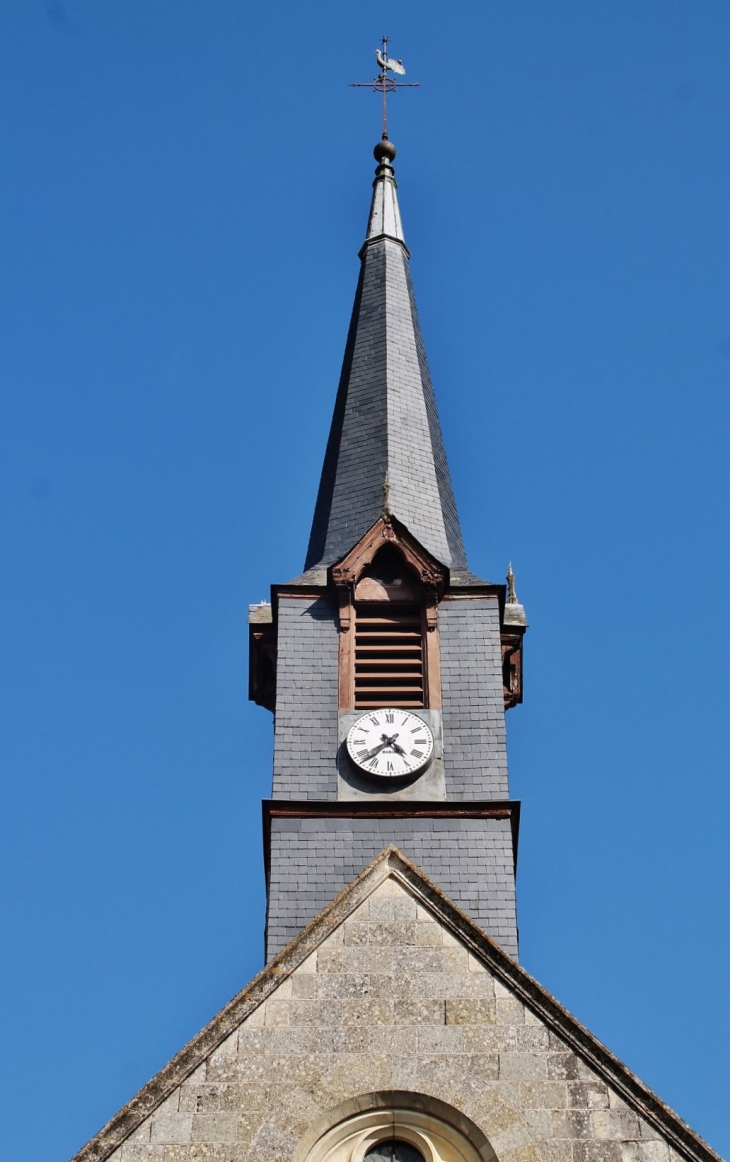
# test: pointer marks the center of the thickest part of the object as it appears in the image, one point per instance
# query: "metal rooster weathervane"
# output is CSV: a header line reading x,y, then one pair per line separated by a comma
x,y
384,83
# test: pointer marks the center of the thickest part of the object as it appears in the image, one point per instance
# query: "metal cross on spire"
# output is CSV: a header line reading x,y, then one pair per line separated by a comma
x,y
384,83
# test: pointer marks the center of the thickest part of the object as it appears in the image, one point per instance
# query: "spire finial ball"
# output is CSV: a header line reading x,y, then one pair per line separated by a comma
x,y
384,151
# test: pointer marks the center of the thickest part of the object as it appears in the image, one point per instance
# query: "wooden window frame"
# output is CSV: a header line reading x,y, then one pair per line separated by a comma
x,y
431,576
512,665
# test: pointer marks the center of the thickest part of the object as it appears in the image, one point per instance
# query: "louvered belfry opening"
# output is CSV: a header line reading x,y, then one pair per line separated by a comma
x,y
389,655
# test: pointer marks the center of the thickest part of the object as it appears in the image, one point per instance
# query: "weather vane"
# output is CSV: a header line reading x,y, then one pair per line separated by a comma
x,y
384,83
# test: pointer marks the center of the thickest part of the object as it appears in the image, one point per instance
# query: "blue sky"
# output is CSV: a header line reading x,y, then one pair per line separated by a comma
x,y
184,192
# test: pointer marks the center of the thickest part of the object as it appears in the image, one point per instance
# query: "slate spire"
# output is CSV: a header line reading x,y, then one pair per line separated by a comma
x,y
385,449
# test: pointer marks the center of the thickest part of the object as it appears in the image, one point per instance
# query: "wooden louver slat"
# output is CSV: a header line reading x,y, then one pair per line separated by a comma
x,y
389,656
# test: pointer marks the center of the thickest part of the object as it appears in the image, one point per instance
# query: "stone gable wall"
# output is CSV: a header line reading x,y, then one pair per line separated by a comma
x,y
391,1001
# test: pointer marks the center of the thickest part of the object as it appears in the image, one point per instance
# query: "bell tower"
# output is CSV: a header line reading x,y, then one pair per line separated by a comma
x,y
392,1021
388,665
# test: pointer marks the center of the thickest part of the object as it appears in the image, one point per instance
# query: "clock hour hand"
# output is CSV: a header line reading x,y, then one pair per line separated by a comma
x,y
386,742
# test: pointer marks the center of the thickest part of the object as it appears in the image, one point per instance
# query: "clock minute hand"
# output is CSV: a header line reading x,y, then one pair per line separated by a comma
x,y
386,742
376,750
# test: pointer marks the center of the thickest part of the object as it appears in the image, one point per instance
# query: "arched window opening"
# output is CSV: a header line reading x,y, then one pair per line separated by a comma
x,y
389,659
414,1128
393,1151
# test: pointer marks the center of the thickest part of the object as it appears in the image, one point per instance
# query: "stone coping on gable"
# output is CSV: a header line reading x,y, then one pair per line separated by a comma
x,y
392,863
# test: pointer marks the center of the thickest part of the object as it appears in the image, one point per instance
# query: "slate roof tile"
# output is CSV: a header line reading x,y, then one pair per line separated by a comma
x,y
385,443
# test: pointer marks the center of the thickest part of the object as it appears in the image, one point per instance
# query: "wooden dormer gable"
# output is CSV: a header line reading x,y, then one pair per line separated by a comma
x,y
388,531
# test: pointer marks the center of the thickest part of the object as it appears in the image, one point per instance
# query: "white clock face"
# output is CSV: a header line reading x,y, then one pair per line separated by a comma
x,y
390,743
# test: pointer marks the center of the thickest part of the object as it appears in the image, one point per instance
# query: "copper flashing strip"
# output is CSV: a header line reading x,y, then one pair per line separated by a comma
x,y
382,809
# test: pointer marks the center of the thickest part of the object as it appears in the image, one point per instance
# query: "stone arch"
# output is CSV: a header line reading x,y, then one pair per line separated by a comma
x,y
439,1132
474,1097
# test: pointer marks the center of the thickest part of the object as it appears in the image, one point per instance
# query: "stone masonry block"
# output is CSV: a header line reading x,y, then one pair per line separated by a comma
x,y
597,1152
521,1066
655,1151
217,1127
419,1012
172,1128
470,1011
588,1094
615,1124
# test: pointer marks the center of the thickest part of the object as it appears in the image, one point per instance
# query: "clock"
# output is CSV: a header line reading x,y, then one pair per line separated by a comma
x,y
390,743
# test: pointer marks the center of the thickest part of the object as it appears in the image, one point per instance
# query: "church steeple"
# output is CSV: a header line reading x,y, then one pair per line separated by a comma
x,y
387,634
393,1020
385,447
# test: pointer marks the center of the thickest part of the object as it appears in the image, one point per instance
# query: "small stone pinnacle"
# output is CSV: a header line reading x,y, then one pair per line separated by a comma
x,y
511,595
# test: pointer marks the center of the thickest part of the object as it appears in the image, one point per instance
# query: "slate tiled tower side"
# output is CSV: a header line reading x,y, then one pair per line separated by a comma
x,y
470,859
305,739
475,744
385,453
305,736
